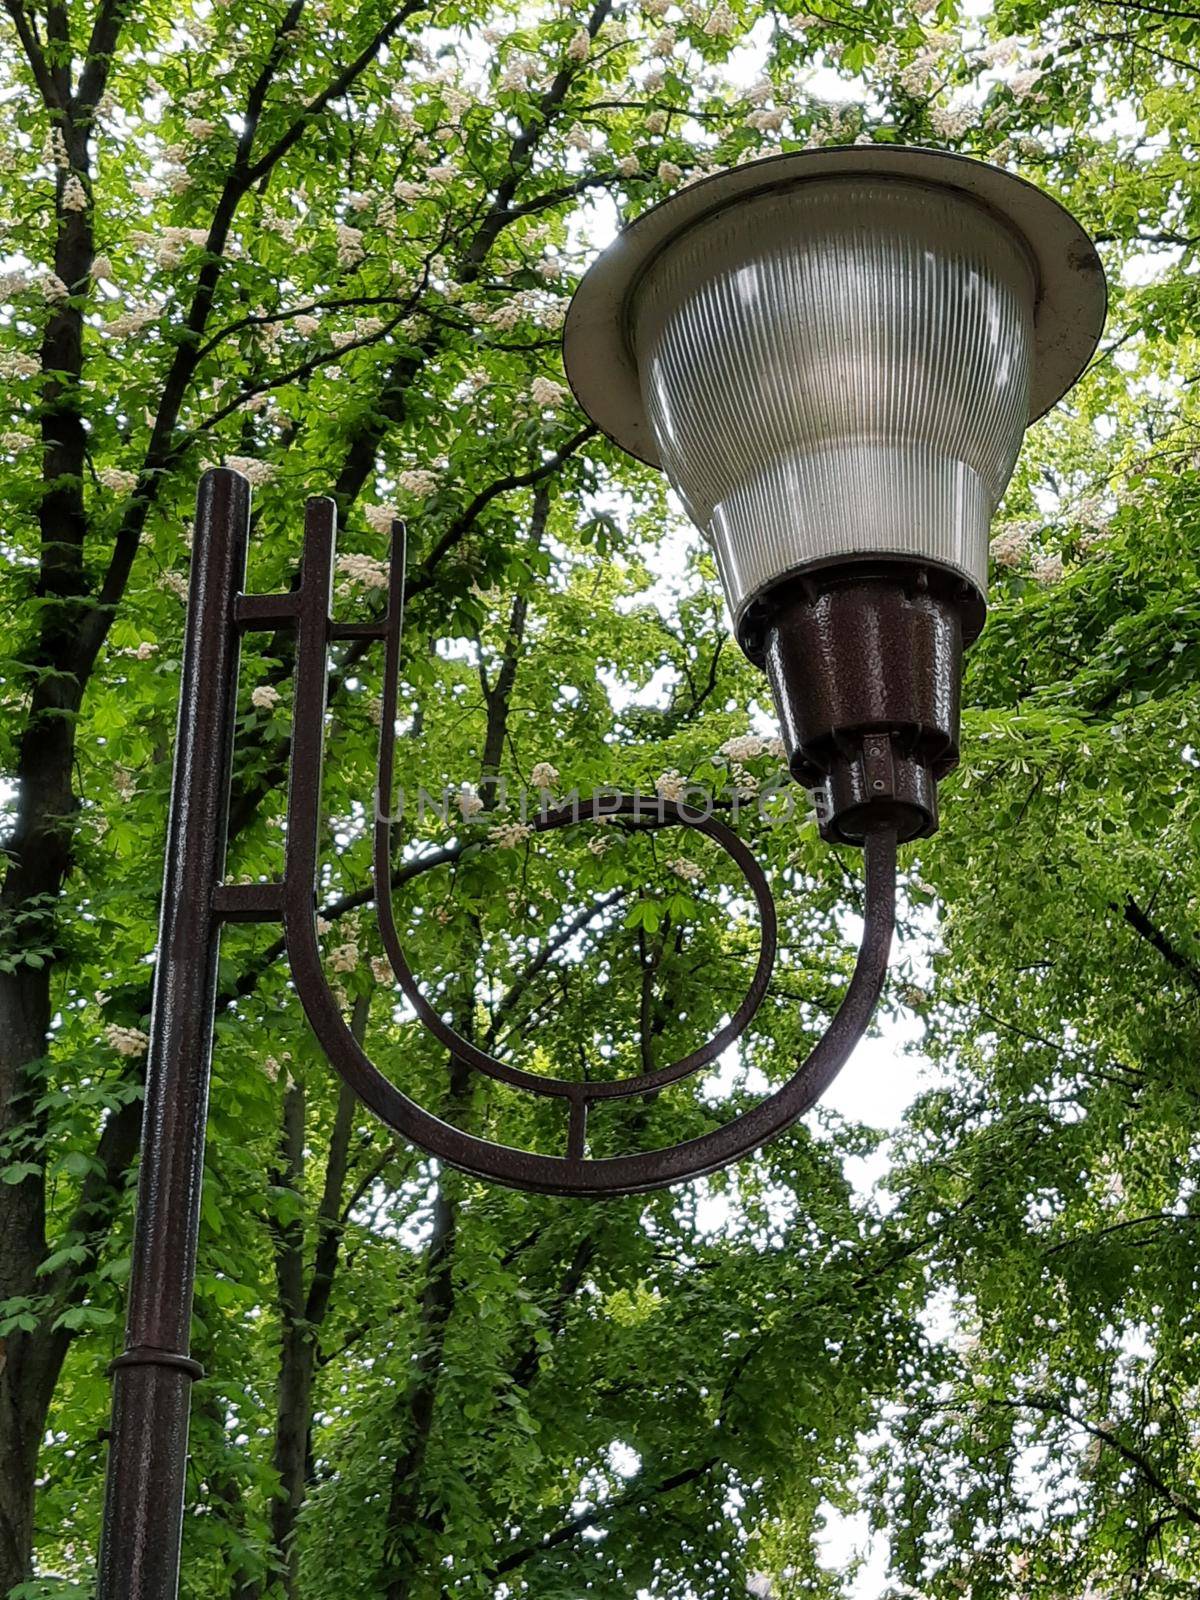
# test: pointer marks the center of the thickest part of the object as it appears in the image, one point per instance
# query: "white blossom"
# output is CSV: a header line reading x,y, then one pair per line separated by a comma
x,y
1000,52
174,583
379,518
743,747
1048,569
349,245
670,785
579,46
687,870
1022,82
914,77
130,322
629,166
176,242
265,698
1011,544
444,172
256,471
361,572
408,193
668,172
54,150
721,23
102,270
664,43
578,138
344,958
306,326
516,75
145,651
544,775
126,1041
54,289
505,316
545,392
765,121
199,128
654,80
510,834
468,802
117,479
598,846
16,443
417,481
952,121
15,364
656,122
74,195
381,969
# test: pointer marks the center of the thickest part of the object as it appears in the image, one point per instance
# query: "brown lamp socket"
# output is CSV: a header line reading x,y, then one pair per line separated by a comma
x,y
865,664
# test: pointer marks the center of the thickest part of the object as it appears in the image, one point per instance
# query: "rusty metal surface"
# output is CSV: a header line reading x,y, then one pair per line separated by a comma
x,y
139,1556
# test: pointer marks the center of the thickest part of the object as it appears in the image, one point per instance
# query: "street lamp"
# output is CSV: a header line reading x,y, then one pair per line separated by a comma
x,y
833,355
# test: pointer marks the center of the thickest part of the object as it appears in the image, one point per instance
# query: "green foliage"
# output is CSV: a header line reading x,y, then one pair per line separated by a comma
x,y
334,243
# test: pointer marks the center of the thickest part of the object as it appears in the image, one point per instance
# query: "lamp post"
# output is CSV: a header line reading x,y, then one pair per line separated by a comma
x,y
833,356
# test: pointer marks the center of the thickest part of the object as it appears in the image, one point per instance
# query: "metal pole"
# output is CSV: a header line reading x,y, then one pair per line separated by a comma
x,y
147,1462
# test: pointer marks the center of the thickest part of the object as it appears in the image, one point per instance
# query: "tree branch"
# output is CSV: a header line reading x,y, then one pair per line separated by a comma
x,y
35,55
576,1525
1145,929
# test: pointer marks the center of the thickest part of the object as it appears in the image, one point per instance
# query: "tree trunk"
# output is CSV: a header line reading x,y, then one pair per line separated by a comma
x,y
302,1310
24,1390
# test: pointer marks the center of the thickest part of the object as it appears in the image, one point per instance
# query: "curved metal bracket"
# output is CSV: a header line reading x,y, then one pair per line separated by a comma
x,y
574,1172
147,1464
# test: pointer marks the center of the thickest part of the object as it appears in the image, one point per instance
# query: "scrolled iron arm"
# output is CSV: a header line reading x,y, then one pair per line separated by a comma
x,y
572,1173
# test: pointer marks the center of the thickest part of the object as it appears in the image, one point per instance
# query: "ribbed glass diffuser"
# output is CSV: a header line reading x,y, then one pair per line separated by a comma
x,y
837,370
834,355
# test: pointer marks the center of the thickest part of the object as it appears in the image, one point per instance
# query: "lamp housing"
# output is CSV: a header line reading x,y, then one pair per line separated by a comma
x,y
834,356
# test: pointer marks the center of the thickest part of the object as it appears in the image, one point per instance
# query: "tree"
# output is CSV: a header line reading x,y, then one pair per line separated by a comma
x,y
1063,1013
333,244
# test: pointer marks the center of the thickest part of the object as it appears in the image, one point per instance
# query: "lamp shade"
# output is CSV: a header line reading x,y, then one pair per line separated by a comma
x,y
834,355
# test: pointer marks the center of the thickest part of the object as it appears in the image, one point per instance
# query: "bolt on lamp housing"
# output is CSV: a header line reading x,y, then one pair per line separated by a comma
x,y
834,356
